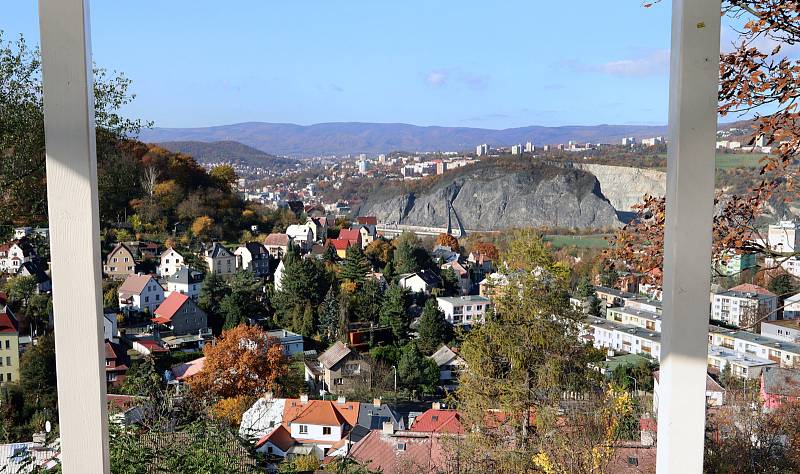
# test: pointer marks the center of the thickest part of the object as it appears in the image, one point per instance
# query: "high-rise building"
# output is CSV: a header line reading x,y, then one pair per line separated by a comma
x,y
530,147
482,150
516,150
628,141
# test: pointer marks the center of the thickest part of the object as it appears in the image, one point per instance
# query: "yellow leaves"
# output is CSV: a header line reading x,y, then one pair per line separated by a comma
x,y
202,226
543,462
231,409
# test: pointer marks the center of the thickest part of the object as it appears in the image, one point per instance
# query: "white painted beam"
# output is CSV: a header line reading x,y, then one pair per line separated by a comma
x,y
74,233
694,80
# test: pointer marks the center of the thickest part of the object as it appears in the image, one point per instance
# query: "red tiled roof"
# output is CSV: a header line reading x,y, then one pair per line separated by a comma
x,y
281,240
152,345
421,453
294,408
750,288
438,421
110,352
339,244
8,324
353,235
320,414
367,220
171,304
280,437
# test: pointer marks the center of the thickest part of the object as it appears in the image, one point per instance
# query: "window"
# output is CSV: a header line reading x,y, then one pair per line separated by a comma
x,y
401,446
8,361
146,299
269,449
303,429
8,344
326,430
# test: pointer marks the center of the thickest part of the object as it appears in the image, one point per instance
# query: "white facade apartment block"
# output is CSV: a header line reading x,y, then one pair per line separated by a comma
x,y
787,330
744,343
606,334
735,307
171,262
744,366
464,310
634,317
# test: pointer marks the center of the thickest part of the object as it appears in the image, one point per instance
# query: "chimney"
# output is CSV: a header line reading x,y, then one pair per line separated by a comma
x,y
304,398
341,400
388,428
376,402
436,406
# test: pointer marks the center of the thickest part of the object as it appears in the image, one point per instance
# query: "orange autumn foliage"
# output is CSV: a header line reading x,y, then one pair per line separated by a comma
x,y
242,363
447,240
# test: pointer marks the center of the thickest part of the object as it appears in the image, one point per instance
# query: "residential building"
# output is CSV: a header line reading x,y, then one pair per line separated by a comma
x,y
479,265
183,372
352,235
140,293
253,256
635,317
187,282
372,416
786,354
423,281
783,237
9,344
22,232
367,220
292,343
744,305
464,310
391,451
787,330
170,262
516,149
733,264
14,253
368,232
301,235
120,262
116,364
450,366
613,296
530,147
110,327
34,268
607,334
343,370
482,150
740,365
438,420
219,259
779,386
464,280
791,307
181,315
319,227
277,245
340,246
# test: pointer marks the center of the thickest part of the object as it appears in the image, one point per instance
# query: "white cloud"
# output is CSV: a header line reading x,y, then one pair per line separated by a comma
x,y
436,78
444,77
656,62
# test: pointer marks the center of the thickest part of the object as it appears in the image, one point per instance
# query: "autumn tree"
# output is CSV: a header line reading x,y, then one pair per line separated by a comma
x,y
202,227
242,362
523,358
225,175
379,252
447,240
488,249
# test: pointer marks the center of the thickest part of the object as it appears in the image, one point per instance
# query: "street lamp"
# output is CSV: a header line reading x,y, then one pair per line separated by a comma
x,y
634,383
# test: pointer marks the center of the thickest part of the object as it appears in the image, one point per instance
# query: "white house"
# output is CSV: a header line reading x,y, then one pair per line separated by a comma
x,y
420,282
261,418
171,262
744,366
787,330
608,334
140,293
742,305
450,365
787,354
635,317
186,281
292,343
464,310
219,259
302,235
14,253
110,327
253,256
277,245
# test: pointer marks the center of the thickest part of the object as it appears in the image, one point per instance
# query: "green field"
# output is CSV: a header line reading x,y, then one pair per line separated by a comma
x,y
739,160
726,161
596,241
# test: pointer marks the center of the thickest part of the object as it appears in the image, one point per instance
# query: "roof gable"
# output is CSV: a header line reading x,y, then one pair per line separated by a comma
x,y
135,284
170,306
334,355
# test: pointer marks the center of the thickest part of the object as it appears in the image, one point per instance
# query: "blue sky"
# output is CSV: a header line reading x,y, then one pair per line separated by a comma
x,y
498,64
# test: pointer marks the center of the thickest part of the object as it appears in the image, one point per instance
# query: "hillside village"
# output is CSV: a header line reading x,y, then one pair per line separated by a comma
x,y
370,326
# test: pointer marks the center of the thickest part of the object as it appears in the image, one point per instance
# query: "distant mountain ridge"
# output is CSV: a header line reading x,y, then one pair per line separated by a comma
x,y
232,151
355,137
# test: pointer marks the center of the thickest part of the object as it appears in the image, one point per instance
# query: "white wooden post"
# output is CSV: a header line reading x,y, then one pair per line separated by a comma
x,y
74,233
694,80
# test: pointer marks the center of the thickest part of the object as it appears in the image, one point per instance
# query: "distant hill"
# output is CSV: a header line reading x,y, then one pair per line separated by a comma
x,y
212,152
354,137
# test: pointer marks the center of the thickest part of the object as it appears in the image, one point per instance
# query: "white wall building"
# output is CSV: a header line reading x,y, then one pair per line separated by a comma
x,y
742,305
464,310
171,262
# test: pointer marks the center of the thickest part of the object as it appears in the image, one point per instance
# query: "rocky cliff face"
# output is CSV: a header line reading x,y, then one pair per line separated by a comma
x,y
625,186
492,197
